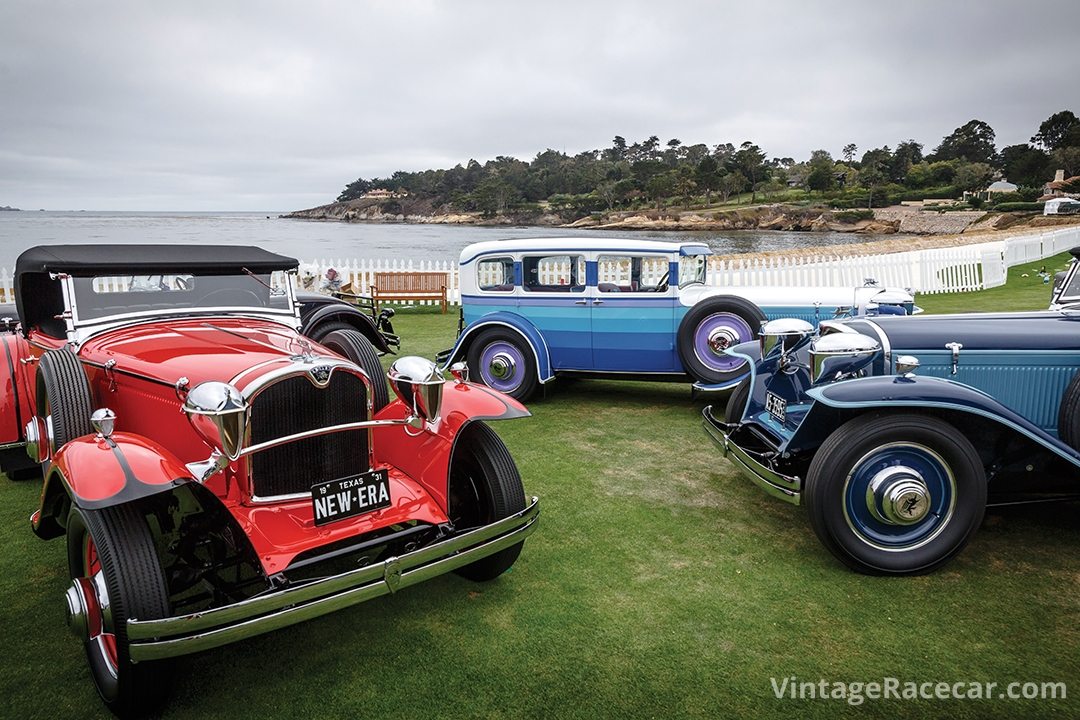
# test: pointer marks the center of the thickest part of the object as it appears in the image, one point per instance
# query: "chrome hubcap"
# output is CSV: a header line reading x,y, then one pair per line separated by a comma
x,y
501,366
77,610
721,339
898,495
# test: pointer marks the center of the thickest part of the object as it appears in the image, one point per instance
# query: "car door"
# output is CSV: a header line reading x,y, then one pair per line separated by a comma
x,y
554,299
633,314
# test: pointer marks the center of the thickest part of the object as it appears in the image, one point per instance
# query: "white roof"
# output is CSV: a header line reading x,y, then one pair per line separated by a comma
x,y
570,244
1002,185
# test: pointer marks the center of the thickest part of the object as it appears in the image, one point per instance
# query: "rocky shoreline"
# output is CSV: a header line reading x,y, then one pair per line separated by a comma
x,y
907,220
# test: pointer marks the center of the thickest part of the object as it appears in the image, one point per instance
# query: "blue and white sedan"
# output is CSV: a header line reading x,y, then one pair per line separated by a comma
x,y
634,309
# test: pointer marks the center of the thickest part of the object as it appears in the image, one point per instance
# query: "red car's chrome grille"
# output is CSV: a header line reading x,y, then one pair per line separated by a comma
x,y
295,405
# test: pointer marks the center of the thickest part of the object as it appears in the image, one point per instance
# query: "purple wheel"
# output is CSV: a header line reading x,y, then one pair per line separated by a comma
x,y
711,327
715,334
502,361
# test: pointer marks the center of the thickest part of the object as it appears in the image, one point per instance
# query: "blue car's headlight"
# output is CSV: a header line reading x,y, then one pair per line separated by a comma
x,y
840,353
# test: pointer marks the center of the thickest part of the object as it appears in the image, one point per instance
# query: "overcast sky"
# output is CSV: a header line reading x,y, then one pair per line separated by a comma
x,y
277,105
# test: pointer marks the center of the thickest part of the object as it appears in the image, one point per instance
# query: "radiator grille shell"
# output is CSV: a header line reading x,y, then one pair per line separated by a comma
x,y
293,405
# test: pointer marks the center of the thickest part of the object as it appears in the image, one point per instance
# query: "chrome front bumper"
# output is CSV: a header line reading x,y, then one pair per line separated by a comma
x,y
758,468
184,634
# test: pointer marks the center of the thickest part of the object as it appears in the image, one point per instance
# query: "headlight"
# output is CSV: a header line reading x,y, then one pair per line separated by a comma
x,y
419,384
787,332
219,414
894,302
841,353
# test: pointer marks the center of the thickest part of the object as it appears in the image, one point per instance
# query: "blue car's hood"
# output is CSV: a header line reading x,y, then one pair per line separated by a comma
x,y
1042,330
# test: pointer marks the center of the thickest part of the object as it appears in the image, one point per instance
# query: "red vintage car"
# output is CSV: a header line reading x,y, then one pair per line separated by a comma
x,y
217,473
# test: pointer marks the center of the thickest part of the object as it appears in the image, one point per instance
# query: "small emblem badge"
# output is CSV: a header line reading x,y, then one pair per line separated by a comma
x,y
321,373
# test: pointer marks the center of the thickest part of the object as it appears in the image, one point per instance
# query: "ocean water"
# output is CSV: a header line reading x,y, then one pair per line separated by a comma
x,y
309,240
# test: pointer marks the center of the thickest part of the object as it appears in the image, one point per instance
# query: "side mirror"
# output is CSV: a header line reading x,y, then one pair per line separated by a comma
x,y
419,384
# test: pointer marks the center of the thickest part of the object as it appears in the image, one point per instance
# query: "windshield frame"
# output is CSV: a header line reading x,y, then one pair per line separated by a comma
x,y
80,328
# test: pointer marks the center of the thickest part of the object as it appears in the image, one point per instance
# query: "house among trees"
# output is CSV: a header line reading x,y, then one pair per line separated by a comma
x,y
1062,187
382,194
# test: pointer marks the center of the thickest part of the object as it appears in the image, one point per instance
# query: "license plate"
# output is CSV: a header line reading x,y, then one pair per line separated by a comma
x,y
351,496
776,405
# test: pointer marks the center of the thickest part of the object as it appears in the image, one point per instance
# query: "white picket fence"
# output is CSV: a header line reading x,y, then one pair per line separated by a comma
x,y
954,269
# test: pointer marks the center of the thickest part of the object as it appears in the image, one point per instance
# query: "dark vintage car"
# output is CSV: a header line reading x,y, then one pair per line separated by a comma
x,y
218,474
897,432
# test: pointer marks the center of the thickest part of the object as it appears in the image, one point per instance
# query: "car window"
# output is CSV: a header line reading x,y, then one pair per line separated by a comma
x,y
692,269
631,273
495,274
554,273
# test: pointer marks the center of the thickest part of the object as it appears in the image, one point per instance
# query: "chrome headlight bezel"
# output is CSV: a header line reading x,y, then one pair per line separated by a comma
x,y
839,354
787,333
219,415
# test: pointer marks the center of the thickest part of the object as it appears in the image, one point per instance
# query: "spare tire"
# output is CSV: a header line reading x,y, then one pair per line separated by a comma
x,y
1069,414
710,327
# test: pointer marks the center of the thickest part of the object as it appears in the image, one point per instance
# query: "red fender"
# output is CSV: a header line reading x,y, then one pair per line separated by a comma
x,y
16,400
425,455
99,472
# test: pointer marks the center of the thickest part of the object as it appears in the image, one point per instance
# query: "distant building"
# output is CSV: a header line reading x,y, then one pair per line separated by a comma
x,y
383,194
1062,187
999,187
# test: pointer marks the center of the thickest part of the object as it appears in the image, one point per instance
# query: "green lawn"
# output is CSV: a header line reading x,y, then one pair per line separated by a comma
x,y
660,584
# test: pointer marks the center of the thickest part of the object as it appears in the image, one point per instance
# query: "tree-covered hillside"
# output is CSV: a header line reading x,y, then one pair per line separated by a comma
x,y
651,173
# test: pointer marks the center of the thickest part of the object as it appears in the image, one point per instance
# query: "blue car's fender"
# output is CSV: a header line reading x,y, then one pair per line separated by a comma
x,y
515,324
915,393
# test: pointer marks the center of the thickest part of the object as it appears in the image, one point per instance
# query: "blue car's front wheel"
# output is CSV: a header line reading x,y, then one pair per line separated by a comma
x,y
895,494
504,361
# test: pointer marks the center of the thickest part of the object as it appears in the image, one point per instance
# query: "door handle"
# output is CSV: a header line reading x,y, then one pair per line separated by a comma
x,y
597,301
580,302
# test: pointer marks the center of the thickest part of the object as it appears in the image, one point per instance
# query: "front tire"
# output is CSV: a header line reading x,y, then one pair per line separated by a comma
x,y
895,494
736,404
484,487
63,398
111,553
503,361
709,328
357,348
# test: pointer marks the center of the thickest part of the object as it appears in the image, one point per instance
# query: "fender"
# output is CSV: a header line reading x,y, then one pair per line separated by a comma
x,y
352,315
751,351
15,399
917,393
515,323
425,455
96,472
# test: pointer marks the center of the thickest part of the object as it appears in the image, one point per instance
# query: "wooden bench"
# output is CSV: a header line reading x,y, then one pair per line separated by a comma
x,y
409,286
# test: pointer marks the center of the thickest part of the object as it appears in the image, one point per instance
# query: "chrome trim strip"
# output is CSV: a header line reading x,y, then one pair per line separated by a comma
x,y
181,635
277,442
886,348
13,445
785,487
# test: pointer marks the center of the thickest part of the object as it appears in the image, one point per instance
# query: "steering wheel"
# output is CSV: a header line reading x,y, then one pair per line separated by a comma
x,y
662,285
229,296
182,283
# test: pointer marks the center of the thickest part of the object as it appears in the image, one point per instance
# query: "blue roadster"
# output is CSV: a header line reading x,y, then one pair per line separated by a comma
x,y
641,309
897,432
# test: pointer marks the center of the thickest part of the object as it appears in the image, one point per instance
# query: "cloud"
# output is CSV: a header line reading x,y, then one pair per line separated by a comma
x,y
276,105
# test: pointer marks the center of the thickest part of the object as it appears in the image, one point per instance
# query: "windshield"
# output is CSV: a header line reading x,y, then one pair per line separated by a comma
x,y
170,294
692,269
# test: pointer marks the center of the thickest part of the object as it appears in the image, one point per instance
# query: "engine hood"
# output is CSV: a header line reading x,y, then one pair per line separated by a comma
x,y
200,350
1041,330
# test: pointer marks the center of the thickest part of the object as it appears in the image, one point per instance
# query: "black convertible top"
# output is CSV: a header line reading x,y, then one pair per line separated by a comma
x,y
89,260
40,300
